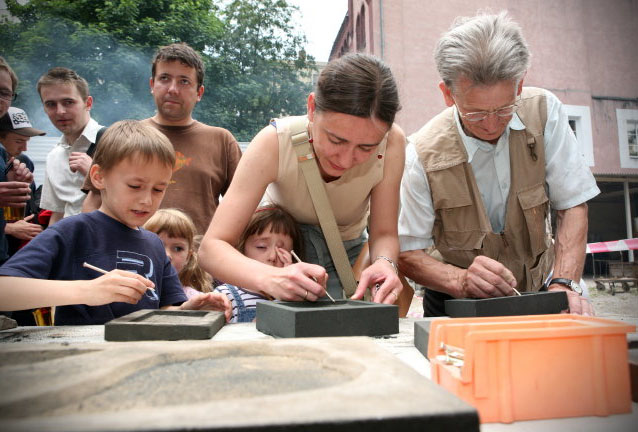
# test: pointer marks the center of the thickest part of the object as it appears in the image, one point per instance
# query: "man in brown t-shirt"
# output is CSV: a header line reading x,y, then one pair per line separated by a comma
x,y
207,156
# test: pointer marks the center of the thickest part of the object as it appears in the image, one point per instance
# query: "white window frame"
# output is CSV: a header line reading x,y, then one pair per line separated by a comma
x,y
581,114
622,116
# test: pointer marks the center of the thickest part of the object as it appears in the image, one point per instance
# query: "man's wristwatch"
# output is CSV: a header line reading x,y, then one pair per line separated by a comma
x,y
574,286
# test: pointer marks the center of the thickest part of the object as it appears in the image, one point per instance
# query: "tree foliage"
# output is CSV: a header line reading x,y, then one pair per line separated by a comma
x,y
256,66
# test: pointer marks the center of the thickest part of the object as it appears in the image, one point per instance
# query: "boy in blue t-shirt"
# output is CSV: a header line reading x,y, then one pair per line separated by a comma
x,y
132,169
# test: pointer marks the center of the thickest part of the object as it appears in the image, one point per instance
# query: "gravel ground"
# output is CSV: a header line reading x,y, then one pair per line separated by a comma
x,y
622,306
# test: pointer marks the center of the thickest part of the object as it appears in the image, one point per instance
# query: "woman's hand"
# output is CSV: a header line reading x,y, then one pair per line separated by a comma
x,y
297,282
383,282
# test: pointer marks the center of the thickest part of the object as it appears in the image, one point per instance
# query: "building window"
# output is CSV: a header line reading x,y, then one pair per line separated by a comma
x,y
632,135
361,30
572,125
580,123
628,137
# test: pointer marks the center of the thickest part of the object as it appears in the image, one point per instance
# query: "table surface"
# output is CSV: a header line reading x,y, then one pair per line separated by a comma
x,y
400,345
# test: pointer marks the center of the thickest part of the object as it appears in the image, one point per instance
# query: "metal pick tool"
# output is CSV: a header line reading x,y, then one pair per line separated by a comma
x,y
292,252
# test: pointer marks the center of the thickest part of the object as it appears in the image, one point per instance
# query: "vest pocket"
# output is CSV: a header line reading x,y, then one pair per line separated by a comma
x,y
534,203
452,201
449,188
463,240
460,247
536,275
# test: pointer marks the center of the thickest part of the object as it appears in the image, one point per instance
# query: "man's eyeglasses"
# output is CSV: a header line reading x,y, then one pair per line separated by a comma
x,y
8,96
482,115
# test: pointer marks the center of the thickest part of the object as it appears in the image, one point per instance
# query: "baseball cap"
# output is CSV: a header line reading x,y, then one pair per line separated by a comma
x,y
17,121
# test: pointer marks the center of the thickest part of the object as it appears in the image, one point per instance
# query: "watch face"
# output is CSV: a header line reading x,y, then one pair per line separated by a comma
x,y
572,285
575,286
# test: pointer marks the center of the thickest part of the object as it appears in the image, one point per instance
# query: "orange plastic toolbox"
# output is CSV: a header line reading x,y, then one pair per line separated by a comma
x,y
533,367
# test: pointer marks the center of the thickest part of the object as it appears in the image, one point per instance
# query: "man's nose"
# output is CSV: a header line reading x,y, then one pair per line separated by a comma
x,y
60,109
492,121
173,86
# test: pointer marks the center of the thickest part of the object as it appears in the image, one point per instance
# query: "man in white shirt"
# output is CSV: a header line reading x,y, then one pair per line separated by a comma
x,y
480,178
66,100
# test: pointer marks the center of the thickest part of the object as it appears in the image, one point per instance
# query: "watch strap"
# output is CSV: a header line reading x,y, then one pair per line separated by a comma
x,y
566,282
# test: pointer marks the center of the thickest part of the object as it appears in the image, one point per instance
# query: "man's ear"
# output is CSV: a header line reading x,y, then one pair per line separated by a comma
x,y
447,94
520,85
97,176
200,92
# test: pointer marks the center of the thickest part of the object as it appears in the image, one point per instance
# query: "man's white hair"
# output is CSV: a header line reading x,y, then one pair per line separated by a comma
x,y
485,49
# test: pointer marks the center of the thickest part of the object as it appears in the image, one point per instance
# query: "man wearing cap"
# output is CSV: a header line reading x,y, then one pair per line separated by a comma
x,y
15,132
14,182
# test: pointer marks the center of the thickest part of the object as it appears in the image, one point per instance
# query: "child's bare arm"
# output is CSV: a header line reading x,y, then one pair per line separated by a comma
x,y
17,293
206,301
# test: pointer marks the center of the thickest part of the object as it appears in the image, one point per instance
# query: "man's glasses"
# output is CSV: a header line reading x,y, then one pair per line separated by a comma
x,y
482,115
8,96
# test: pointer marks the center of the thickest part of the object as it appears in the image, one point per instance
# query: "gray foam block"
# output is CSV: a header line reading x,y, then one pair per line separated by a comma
x,y
537,303
147,324
422,336
324,318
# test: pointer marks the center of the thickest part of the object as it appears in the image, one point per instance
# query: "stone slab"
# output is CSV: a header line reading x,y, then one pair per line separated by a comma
x,y
325,318
327,384
538,303
147,324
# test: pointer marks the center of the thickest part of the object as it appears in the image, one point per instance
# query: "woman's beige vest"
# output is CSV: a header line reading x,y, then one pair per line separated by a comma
x,y
349,195
462,229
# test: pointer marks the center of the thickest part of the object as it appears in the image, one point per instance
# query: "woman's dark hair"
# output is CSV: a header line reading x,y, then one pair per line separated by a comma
x,y
360,85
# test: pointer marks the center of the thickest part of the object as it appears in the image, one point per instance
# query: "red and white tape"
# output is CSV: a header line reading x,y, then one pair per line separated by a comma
x,y
613,246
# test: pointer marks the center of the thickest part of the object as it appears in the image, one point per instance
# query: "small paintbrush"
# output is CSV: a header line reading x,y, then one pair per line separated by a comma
x,y
99,270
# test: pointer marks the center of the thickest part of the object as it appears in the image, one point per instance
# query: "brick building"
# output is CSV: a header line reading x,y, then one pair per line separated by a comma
x,y
584,51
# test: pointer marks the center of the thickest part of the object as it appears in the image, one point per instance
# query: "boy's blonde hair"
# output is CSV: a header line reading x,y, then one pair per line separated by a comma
x,y
131,138
176,223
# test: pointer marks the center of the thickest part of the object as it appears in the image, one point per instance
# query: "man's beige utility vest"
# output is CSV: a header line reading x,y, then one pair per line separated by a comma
x,y
462,229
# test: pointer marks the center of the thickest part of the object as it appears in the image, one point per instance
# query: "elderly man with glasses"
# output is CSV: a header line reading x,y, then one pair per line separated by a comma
x,y
481,176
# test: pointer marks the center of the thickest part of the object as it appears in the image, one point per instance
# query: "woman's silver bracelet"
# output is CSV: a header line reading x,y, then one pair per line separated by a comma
x,y
392,263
